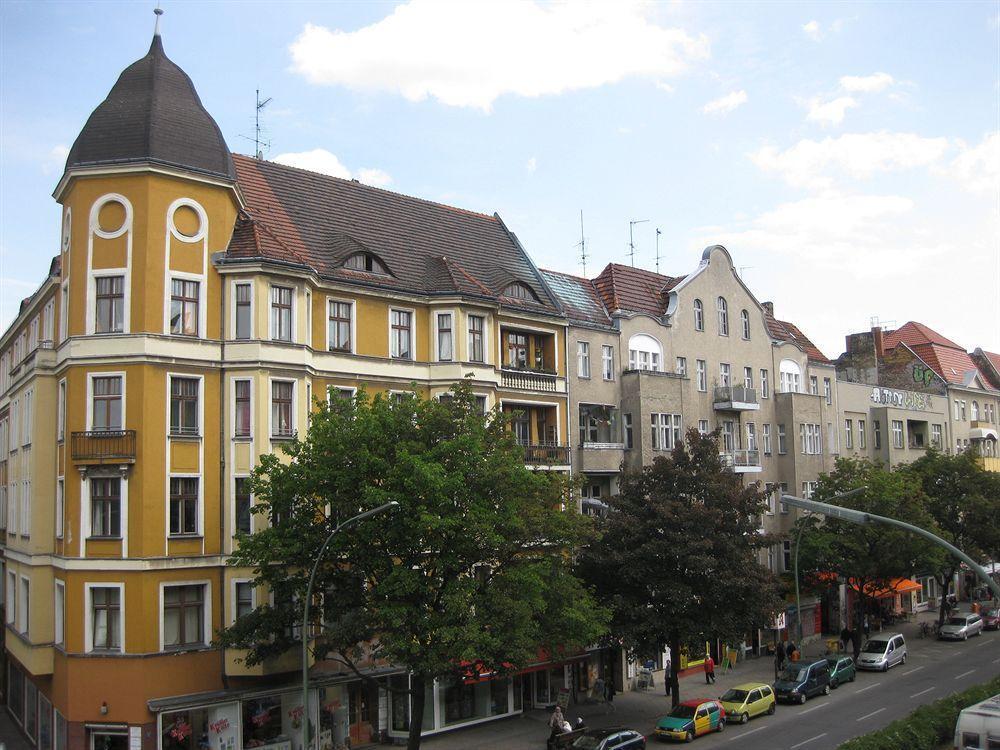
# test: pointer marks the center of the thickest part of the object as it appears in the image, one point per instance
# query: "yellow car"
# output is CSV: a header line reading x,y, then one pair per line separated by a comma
x,y
745,701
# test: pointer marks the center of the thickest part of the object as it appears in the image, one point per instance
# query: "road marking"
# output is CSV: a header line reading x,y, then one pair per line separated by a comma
x,y
744,734
922,692
805,742
874,684
868,716
982,643
818,705
965,674
915,669
996,661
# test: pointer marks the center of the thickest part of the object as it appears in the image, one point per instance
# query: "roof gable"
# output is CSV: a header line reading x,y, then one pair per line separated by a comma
x,y
913,334
579,298
634,290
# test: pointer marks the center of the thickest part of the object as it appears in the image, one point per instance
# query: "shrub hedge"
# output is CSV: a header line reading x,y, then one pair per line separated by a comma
x,y
927,728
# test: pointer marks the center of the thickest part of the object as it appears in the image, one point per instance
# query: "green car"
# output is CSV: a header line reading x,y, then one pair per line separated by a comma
x,y
841,670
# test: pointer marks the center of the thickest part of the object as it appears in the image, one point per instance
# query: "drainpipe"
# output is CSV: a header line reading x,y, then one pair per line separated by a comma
x,y
222,471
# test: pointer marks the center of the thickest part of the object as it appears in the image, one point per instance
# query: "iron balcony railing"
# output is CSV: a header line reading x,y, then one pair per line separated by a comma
x,y
541,453
103,446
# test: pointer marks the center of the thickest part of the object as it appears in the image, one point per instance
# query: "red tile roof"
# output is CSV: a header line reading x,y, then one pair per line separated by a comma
x,y
796,335
954,365
634,289
913,333
989,366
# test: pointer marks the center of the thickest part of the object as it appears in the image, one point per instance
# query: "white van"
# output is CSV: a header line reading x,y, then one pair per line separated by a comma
x,y
978,726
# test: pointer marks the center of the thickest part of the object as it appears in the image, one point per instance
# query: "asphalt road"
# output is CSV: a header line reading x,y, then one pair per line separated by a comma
x,y
933,670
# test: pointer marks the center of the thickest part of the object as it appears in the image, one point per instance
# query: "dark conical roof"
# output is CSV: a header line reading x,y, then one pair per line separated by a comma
x,y
153,114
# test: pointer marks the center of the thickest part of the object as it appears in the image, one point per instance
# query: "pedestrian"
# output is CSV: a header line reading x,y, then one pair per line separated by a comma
x,y
845,636
599,689
866,627
709,670
609,695
790,650
556,723
667,669
779,661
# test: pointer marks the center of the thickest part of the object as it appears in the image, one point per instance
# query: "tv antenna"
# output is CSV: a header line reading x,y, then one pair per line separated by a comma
x,y
658,233
257,142
582,244
741,269
631,241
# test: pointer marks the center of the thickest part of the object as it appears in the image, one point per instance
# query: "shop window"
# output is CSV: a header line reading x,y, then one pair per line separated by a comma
x,y
209,728
104,740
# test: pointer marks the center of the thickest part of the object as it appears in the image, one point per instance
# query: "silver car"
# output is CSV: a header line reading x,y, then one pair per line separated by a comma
x,y
960,627
882,652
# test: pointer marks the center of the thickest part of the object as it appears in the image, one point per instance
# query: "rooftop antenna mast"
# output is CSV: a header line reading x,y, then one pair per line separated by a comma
x,y
631,240
158,11
741,269
256,141
658,249
582,244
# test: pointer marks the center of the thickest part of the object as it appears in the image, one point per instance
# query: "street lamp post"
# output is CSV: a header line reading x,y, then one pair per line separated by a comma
x,y
305,613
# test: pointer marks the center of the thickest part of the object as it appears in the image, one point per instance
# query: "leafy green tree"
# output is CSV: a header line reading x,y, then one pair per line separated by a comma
x,y
677,556
870,558
964,501
473,567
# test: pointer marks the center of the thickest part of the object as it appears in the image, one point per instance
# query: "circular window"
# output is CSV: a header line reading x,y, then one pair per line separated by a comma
x,y
187,222
111,217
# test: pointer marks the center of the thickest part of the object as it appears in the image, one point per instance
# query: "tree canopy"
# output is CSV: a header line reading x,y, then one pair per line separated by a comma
x,y
473,567
677,555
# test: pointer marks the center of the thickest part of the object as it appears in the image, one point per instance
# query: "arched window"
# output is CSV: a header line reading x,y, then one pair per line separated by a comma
x,y
745,320
517,290
975,411
791,376
699,315
365,262
723,309
644,353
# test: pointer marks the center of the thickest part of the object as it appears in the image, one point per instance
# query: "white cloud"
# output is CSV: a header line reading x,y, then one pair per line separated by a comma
x,y
726,104
664,86
978,167
831,112
323,161
812,30
866,84
531,165
461,53
857,155
55,159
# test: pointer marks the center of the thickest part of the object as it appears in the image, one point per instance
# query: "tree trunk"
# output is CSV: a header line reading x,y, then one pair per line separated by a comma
x,y
418,688
675,665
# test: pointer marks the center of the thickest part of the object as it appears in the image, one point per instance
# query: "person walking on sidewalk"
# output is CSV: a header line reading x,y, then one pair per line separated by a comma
x,y
779,661
709,670
556,723
609,695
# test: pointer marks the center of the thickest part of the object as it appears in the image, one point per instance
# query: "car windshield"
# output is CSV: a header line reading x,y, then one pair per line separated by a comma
x,y
734,696
875,647
793,675
588,741
960,621
683,712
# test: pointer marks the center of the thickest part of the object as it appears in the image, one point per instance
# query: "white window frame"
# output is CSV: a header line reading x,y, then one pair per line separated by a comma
x,y
11,597
828,391
60,520
608,362
790,376
253,306
90,395
485,336
898,433
849,434
725,374
270,407
202,282
200,525
206,610
862,437
437,331
748,377
640,344
782,440
698,312
233,380
199,432
681,366
765,385
722,315
583,359
745,324
703,426
765,436
413,333
88,621
701,369
232,592
24,606
292,318
59,610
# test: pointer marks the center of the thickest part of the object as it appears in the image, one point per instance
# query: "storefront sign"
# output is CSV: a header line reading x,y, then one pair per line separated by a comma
x,y
219,726
901,399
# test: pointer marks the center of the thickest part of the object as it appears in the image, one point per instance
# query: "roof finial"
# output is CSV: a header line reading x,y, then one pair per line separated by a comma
x,y
159,12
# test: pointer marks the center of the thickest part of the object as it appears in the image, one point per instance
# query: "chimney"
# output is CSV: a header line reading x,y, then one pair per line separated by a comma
x,y
769,306
877,336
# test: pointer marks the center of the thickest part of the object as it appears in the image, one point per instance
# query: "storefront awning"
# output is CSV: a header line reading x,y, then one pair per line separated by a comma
x,y
896,586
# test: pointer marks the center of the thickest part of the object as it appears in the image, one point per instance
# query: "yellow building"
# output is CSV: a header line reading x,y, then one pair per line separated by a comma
x,y
200,303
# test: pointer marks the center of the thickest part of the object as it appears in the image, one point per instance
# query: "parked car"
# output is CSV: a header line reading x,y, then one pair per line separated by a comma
x,y
960,627
690,719
803,680
748,700
841,670
883,652
613,738
991,619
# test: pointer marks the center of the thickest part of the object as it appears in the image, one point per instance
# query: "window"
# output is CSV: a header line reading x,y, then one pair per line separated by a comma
x,y
241,428
723,310
828,390
725,375
243,311
877,434
517,290
862,437
963,410
608,362
184,406
23,606
105,506
445,341
936,436
783,507
184,307
282,425
61,412
665,430
242,495
401,334
782,440
183,506
60,614
810,437
183,616
766,437
26,506
365,262
770,493
791,376
281,313
748,377
60,506
699,316
897,433
751,436
745,321
105,618
110,300
765,387
814,385
644,353
11,592
244,598
521,426
627,423
848,434
681,366
958,410
583,359
808,488
29,399
701,372
339,326
786,554
476,326
107,403
975,411
728,436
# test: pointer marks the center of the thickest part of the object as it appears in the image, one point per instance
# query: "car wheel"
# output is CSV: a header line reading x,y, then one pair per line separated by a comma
x,y
802,699
721,726
851,678
689,736
770,710
903,660
826,689
834,683
965,636
744,718
885,667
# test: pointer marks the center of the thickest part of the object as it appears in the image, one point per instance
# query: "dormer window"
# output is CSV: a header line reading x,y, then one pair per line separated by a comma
x,y
366,262
517,290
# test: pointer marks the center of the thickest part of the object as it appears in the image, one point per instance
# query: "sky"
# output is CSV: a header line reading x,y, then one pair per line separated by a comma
x,y
847,154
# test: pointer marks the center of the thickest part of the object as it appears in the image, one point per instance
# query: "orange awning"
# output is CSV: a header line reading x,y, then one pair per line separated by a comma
x,y
896,586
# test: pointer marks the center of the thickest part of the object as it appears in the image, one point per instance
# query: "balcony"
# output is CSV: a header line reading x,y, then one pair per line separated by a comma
x,y
981,430
103,447
546,454
741,461
528,380
735,398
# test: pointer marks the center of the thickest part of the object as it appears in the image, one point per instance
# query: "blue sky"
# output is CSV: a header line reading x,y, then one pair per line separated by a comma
x,y
847,154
